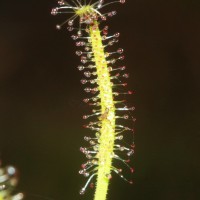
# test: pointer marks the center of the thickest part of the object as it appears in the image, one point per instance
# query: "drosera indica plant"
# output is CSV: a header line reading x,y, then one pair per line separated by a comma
x,y
8,182
103,77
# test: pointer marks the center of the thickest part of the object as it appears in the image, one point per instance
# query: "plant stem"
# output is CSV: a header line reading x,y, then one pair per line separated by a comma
x,y
107,118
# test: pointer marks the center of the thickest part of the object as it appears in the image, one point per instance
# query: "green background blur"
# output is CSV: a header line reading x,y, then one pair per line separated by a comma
x,y
41,99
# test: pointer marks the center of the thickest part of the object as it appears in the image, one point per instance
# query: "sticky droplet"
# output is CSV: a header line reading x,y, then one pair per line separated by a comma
x,y
82,191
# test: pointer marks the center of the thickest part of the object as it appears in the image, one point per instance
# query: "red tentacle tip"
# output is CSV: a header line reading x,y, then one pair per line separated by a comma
x,y
85,116
82,191
82,149
125,84
83,166
122,1
119,170
130,92
132,170
133,146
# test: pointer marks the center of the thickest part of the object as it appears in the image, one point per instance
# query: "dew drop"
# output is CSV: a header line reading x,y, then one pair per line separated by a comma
x,y
122,1
82,149
91,66
86,174
120,50
119,170
54,11
74,37
83,81
94,162
104,37
105,28
121,148
133,146
121,57
82,166
110,14
87,48
92,81
81,171
87,138
85,116
105,32
97,135
126,75
70,28
110,43
103,18
89,55
132,170
2,187
82,191
70,22
61,3
87,74
131,182
11,170
116,93
80,68
82,43
83,60
87,90
79,53
92,142
130,153
19,196
134,119
113,61
116,35
79,33
124,84
125,116
123,68
86,100
115,40
58,27
110,69
114,12
78,44
120,137
88,156
130,92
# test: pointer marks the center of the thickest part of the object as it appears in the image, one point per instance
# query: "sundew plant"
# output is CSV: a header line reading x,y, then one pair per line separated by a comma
x,y
8,182
104,82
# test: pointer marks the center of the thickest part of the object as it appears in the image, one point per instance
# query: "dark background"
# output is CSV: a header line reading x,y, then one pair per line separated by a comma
x,y
41,99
